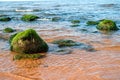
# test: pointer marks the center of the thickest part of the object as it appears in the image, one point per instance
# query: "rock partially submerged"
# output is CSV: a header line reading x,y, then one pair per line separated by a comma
x,y
28,41
8,30
63,51
74,25
65,43
55,19
92,23
107,25
29,17
5,19
75,21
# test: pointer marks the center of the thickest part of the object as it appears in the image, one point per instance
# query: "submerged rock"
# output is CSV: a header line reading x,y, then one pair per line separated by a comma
x,y
75,21
5,19
8,30
55,19
107,25
63,51
28,41
29,17
74,25
92,23
65,43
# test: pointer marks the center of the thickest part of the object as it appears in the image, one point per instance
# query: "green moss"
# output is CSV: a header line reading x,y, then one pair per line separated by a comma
x,y
92,23
65,43
5,19
28,56
29,17
55,19
28,41
75,21
107,25
8,30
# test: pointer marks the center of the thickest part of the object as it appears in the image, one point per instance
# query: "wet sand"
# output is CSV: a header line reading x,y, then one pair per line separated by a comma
x,y
100,61
102,64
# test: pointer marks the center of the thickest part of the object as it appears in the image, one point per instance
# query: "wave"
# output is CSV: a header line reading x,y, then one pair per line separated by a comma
x,y
27,10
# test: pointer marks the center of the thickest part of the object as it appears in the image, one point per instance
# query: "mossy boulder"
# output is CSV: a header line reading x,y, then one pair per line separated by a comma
x,y
75,21
28,41
29,17
8,30
5,19
65,43
92,23
107,25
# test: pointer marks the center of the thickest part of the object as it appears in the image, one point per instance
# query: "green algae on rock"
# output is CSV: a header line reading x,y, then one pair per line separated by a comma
x,y
8,30
29,17
75,21
107,25
28,56
28,41
92,23
65,43
5,19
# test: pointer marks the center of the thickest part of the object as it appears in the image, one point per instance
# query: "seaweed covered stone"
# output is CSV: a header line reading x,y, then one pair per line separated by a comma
x,y
92,23
65,43
28,41
29,17
107,25
75,21
5,19
8,30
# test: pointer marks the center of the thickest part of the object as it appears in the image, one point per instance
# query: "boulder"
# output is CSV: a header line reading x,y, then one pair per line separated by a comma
x,y
29,17
28,41
107,25
5,19
8,30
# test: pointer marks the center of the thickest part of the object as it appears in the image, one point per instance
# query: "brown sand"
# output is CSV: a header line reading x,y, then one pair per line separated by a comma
x,y
103,64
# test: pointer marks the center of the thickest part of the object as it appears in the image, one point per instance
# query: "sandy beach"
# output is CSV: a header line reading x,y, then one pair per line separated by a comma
x,y
102,64
97,58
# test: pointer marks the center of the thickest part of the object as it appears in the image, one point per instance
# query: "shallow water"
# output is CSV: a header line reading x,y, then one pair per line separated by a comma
x,y
80,64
